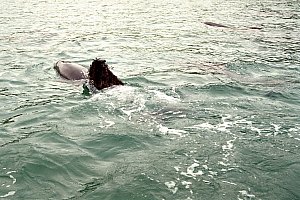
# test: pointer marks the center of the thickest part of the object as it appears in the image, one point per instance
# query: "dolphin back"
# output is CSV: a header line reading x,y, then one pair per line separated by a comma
x,y
71,71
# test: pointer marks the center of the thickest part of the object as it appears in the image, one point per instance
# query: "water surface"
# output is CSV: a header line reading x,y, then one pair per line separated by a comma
x,y
206,112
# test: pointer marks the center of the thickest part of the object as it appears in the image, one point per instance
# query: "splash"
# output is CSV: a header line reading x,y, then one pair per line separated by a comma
x,y
162,96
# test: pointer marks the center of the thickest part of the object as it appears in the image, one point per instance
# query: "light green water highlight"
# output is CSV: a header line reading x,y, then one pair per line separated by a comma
x,y
206,112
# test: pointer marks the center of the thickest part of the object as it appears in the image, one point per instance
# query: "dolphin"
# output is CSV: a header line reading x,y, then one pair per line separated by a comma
x,y
98,76
230,27
71,71
215,24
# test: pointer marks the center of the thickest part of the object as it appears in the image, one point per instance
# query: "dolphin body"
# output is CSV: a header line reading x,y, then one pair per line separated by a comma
x,y
96,78
215,24
71,71
224,26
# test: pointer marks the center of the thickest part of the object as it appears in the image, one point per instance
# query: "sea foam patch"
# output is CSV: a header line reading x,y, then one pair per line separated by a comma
x,y
172,186
6,184
169,131
191,171
164,97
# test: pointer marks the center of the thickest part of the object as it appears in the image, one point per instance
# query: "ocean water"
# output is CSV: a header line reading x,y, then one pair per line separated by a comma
x,y
206,113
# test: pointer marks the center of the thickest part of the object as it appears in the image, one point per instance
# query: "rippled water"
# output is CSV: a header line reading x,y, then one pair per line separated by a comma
x,y
206,113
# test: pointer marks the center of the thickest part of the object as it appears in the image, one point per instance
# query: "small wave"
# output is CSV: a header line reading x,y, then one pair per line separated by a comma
x,y
225,89
276,95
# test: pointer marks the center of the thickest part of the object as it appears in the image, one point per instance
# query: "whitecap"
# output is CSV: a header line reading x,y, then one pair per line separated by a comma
x,y
11,193
11,172
109,123
228,146
245,193
205,125
187,184
276,127
231,183
163,96
177,168
190,171
205,167
165,130
172,186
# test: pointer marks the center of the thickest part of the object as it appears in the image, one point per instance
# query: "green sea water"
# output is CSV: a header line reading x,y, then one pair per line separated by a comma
x,y
206,112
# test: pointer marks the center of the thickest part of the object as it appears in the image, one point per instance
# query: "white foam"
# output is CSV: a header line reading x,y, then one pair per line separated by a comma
x,y
109,123
187,184
222,163
220,127
276,127
205,167
213,173
163,96
165,130
224,125
228,146
243,121
205,125
11,172
231,183
121,92
177,168
172,186
255,129
293,129
190,171
13,178
11,193
245,193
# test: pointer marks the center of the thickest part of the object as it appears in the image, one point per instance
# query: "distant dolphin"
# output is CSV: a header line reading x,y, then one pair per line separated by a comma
x,y
215,24
224,26
71,71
